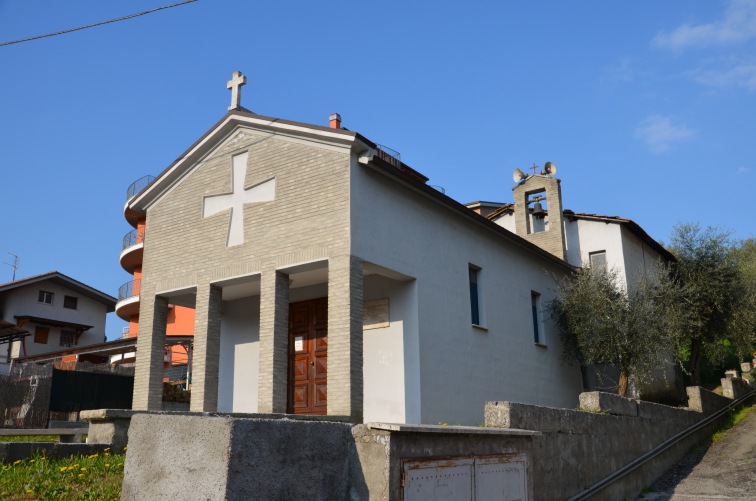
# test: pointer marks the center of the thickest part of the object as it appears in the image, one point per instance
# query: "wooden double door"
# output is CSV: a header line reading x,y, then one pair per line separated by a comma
x,y
308,357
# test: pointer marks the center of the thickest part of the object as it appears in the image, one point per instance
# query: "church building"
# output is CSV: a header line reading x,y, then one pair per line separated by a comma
x,y
327,278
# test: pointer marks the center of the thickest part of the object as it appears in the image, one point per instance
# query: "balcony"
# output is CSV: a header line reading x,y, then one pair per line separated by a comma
x,y
136,187
132,250
128,300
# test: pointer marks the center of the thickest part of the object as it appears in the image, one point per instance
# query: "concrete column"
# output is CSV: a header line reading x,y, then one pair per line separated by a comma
x,y
148,373
345,292
206,356
274,342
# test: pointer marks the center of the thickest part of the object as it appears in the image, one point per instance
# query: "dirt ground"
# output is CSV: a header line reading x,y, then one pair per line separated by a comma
x,y
725,470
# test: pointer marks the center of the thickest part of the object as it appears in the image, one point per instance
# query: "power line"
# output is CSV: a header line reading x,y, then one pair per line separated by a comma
x,y
97,24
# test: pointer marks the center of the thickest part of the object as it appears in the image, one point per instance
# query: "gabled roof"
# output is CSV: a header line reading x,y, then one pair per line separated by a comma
x,y
631,225
349,139
64,281
504,209
183,164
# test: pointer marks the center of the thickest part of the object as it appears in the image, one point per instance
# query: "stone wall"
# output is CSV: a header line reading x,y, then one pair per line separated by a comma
x,y
578,448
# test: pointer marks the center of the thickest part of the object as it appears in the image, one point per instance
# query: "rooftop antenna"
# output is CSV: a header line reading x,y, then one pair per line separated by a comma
x,y
14,265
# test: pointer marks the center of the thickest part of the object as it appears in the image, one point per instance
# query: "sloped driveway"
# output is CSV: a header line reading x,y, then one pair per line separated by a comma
x,y
726,470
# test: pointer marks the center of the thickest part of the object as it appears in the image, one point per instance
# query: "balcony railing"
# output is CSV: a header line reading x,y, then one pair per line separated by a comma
x,y
138,186
129,289
132,238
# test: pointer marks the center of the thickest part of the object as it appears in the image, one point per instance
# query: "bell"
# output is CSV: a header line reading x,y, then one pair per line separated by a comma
x,y
538,211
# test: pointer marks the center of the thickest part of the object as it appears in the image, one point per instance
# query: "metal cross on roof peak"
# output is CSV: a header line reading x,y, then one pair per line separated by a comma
x,y
235,84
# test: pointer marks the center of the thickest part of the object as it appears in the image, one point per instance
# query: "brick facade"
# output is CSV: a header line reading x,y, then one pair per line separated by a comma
x,y
309,219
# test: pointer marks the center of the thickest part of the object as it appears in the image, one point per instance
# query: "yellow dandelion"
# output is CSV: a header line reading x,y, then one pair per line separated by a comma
x,y
63,468
106,454
81,475
32,460
76,465
16,461
126,448
42,459
107,465
106,449
83,469
29,491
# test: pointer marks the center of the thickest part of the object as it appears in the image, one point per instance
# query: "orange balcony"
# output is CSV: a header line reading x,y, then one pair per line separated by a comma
x,y
128,300
136,187
132,250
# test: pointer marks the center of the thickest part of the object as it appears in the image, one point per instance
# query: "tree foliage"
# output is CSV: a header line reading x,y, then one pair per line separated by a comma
x,y
602,322
715,305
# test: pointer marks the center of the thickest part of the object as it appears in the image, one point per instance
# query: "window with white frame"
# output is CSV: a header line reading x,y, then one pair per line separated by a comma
x,y
45,297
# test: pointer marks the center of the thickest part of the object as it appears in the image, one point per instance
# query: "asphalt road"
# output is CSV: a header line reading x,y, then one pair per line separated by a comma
x,y
725,470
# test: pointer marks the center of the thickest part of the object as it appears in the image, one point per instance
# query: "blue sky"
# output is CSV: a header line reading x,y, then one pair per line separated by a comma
x,y
646,108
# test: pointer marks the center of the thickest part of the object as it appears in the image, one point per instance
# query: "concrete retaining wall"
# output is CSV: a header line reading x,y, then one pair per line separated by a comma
x,y
233,457
579,448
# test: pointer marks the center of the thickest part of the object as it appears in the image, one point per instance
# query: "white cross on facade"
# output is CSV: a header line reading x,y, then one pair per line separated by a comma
x,y
235,84
263,192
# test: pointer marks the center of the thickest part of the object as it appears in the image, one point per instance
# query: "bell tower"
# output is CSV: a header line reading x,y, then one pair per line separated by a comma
x,y
538,209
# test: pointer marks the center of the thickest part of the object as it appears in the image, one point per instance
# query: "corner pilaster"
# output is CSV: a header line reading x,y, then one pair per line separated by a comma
x,y
148,373
345,295
206,356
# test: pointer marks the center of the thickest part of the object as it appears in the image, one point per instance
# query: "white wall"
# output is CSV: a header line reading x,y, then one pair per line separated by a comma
x,y
239,355
461,366
24,301
385,391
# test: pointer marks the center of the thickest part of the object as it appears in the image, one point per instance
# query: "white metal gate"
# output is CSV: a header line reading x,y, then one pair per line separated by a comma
x,y
490,478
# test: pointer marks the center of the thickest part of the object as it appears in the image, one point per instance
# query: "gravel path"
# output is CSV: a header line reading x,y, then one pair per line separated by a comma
x,y
726,470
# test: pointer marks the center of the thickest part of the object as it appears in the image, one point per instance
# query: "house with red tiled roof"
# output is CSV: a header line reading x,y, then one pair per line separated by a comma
x,y
51,312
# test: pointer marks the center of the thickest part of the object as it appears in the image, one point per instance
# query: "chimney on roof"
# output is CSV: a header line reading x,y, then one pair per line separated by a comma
x,y
335,119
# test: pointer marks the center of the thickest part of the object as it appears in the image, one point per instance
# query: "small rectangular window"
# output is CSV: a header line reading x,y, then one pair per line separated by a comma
x,y
41,334
535,307
598,260
70,302
45,297
474,295
67,338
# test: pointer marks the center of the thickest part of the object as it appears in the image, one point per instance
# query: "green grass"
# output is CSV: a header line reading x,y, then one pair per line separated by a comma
x,y
30,438
96,477
733,419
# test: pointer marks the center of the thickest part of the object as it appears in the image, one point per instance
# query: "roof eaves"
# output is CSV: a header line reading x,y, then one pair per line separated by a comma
x,y
389,169
173,173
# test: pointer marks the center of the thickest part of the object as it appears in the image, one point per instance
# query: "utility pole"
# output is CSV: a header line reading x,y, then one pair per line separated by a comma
x,y
14,265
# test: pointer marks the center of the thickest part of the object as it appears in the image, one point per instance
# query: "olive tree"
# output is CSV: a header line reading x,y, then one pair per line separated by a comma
x,y
604,322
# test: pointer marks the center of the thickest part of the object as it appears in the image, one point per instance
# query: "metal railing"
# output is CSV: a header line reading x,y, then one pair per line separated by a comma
x,y
138,186
132,238
387,154
129,289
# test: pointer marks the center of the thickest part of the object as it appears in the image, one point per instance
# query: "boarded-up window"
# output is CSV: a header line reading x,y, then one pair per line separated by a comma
x,y
41,334
598,260
70,302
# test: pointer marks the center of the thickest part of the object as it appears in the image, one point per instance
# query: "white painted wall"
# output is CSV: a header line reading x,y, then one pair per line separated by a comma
x,y
383,352
24,301
239,355
460,367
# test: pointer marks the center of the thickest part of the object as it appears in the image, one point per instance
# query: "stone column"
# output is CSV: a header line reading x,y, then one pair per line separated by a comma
x,y
148,373
206,356
274,342
345,291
